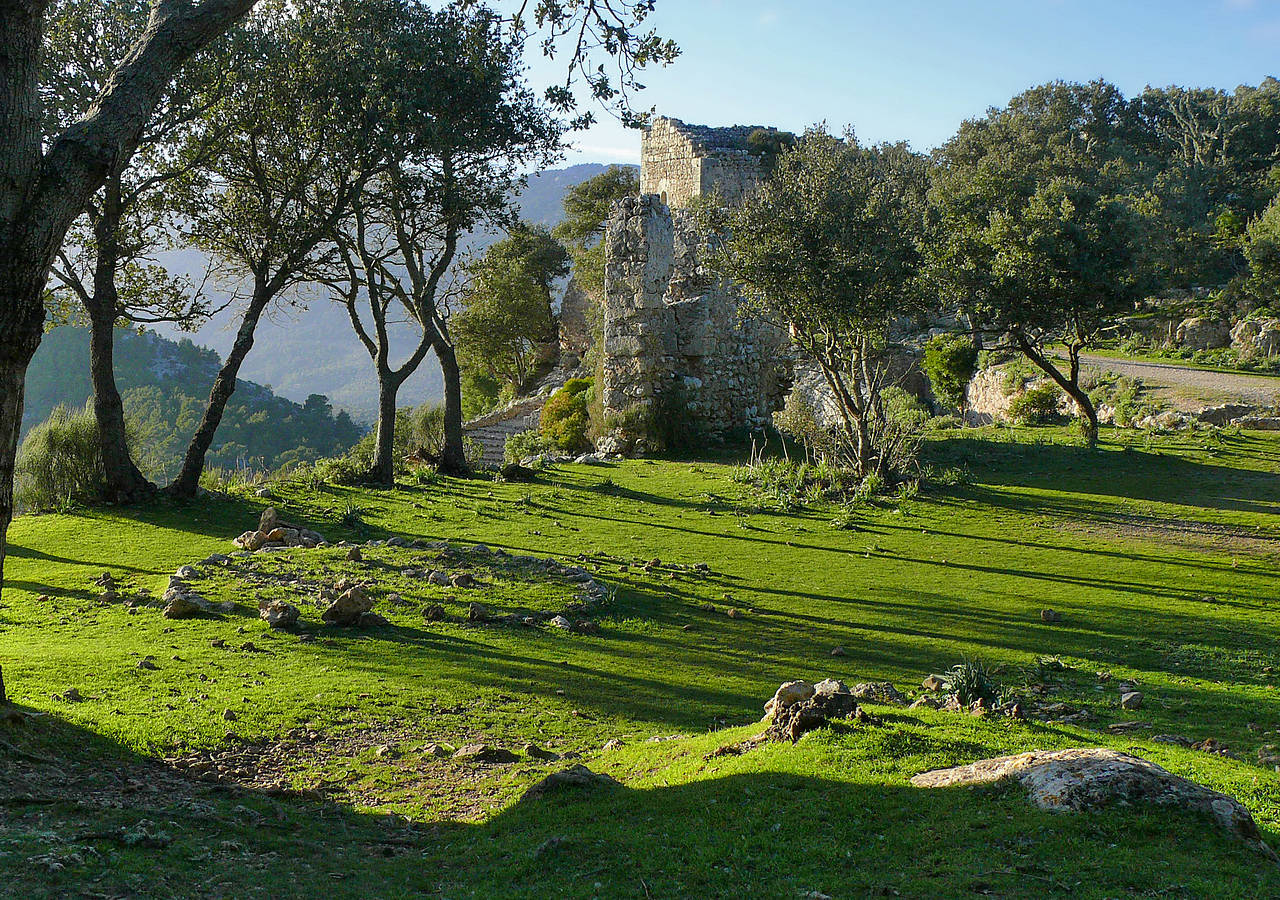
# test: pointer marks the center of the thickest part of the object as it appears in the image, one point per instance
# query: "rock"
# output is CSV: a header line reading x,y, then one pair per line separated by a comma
x,y
560,622
354,555
147,664
278,614
517,474
70,695
250,540
1225,414
186,572
396,600
537,752
1203,333
373,620
463,580
264,493
1050,616
588,459
1257,337
838,651
1131,700
879,692
1079,780
477,612
433,613
270,520
576,777
439,579
933,683
1258,423
830,686
586,626
1268,755
792,721
180,603
436,750
349,607
1177,740
612,744
788,694
924,703
483,753
735,613
229,715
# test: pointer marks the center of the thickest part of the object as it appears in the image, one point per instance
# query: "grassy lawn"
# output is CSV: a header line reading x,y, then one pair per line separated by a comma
x,y
1159,553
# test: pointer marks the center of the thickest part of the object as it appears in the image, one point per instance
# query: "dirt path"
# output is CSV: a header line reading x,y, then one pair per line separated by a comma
x,y
1190,389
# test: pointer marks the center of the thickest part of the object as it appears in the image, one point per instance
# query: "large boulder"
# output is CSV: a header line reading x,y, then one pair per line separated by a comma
x,y
1085,779
349,607
1203,333
1256,337
798,707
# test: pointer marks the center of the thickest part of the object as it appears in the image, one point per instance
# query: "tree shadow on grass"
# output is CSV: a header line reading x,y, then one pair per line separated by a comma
x,y
85,816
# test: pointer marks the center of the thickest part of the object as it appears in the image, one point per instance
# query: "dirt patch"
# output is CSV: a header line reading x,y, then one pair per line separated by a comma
x,y
1197,537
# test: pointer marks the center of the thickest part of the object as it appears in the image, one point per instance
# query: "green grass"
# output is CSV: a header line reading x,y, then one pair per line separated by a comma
x,y
1159,553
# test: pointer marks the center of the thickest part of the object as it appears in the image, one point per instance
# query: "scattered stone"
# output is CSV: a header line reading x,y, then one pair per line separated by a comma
x,y
1211,745
560,622
537,752
1050,616
1131,700
396,600
433,613
924,702
180,603
218,644
477,612
354,555
1127,727
788,694
838,651
278,614
439,579
575,777
186,572
933,683
373,620
463,580
735,613
349,607
612,744
1088,779
688,627
879,692
517,474
147,664
798,708
1175,739
70,695
483,753
586,626
1269,755
437,750
229,715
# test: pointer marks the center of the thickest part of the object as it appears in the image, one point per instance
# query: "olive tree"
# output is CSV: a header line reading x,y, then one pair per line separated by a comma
x,y
828,247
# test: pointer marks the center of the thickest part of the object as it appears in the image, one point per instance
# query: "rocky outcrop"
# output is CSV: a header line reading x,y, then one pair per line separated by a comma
x,y
274,532
798,707
574,778
1254,338
1087,779
1203,333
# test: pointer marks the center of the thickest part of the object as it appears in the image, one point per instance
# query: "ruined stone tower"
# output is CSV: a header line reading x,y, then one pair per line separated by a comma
x,y
675,343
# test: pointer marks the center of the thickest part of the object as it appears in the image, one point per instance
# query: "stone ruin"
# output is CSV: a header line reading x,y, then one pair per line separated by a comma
x,y
674,335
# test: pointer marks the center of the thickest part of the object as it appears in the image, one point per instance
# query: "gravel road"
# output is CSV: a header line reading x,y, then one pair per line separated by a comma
x,y
1191,389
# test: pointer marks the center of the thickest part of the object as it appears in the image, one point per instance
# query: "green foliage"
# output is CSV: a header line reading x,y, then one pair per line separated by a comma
x,y
524,444
1262,252
60,463
565,418
950,362
505,321
1037,405
481,393
971,681
586,210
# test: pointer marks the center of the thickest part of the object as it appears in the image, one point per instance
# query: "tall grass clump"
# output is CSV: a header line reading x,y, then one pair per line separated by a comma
x,y
59,464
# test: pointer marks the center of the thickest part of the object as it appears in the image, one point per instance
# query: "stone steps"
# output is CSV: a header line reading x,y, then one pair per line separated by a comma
x,y
491,431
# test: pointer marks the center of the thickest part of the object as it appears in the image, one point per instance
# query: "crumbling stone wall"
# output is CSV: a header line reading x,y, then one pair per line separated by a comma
x,y
679,161
673,335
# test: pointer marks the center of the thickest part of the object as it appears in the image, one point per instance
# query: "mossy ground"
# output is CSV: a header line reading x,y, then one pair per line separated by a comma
x,y
1159,553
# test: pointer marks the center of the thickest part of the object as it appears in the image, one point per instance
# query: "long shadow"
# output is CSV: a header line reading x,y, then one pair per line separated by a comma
x,y
86,816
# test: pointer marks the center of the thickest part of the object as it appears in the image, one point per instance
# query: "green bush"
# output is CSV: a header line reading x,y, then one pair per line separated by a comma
x,y
1037,405
950,361
59,464
971,681
525,444
566,418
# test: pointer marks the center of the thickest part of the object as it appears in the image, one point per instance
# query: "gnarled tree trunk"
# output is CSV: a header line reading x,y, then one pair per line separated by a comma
x,y
383,471
188,480
453,456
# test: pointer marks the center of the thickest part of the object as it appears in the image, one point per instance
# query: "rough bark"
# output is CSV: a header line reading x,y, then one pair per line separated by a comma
x,y
124,482
188,480
383,471
453,456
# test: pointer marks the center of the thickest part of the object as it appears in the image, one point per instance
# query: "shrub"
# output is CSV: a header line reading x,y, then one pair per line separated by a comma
x,y
1038,405
971,681
59,464
565,418
950,361
525,444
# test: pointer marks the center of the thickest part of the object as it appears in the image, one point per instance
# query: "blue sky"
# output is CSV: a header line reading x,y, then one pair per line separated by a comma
x,y
914,69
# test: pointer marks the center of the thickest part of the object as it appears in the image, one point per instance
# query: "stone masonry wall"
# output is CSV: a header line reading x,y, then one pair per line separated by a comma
x,y
679,161
671,331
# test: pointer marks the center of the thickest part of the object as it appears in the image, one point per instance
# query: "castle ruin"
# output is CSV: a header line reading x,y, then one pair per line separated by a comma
x,y
673,334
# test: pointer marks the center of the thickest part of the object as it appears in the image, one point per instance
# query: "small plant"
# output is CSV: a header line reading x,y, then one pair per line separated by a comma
x,y
566,419
526,444
352,516
1037,405
60,462
970,682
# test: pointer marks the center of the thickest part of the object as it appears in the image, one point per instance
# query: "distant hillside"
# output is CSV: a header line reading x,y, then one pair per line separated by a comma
x,y
299,352
165,385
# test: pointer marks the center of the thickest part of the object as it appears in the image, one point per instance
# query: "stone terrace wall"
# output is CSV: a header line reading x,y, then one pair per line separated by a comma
x,y
679,161
671,330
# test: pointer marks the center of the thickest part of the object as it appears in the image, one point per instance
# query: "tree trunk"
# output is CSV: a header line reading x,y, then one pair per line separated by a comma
x,y
188,480
1070,385
383,471
453,456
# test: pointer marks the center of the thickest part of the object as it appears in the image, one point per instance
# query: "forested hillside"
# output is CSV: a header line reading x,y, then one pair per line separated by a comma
x,y
165,385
